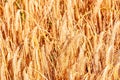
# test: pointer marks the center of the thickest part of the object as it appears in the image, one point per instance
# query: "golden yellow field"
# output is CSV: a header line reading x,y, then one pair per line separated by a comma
x,y
59,39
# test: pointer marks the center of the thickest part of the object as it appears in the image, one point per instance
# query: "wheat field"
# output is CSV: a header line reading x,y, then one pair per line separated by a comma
x,y
59,40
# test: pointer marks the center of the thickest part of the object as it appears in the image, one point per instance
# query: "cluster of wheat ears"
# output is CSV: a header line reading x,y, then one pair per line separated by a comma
x,y
59,40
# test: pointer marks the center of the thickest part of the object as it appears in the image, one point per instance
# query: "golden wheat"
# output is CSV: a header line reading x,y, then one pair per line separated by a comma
x,y
59,40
